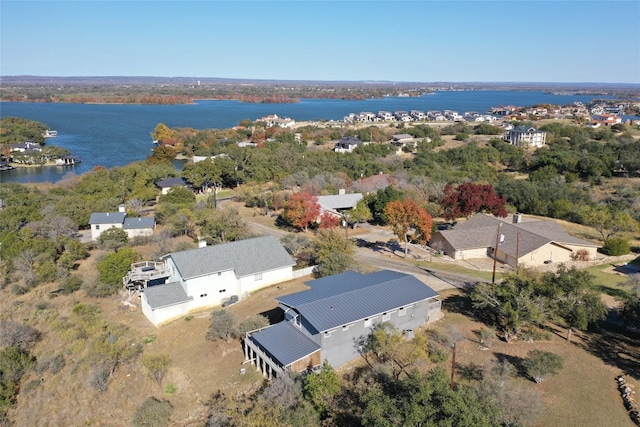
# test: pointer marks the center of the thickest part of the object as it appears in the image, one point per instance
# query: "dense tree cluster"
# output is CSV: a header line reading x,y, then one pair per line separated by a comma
x,y
526,300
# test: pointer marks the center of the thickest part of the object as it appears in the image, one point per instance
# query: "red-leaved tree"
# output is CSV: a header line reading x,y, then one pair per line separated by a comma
x,y
469,198
301,210
408,219
328,221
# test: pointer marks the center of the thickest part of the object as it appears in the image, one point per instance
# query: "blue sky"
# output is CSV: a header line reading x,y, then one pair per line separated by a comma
x,y
416,41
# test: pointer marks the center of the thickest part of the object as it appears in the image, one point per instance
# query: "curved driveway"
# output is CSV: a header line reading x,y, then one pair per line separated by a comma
x,y
381,257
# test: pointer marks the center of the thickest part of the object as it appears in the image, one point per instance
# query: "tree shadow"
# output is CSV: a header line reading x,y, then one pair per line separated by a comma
x,y
515,361
470,372
461,304
616,346
275,315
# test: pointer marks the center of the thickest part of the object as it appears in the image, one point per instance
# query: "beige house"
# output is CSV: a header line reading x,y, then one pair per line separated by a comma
x,y
530,241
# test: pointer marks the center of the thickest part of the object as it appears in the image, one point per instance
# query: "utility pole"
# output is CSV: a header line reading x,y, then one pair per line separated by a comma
x,y
216,186
495,254
517,250
345,224
453,366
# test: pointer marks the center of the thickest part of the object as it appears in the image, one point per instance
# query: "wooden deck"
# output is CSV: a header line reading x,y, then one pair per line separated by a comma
x,y
143,272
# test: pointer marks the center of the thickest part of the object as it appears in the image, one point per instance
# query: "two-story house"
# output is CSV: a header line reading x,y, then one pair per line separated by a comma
x,y
208,276
133,226
326,321
525,136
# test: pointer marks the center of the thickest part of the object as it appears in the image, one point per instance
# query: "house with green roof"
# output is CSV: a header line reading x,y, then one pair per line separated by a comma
x,y
208,276
326,321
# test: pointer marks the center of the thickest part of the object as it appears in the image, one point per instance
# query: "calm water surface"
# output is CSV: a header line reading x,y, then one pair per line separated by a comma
x,y
116,135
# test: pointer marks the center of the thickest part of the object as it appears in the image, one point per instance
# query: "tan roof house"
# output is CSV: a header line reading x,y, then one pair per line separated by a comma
x,y
530,241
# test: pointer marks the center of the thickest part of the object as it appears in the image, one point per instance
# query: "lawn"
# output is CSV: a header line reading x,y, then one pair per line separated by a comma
x,y
584,393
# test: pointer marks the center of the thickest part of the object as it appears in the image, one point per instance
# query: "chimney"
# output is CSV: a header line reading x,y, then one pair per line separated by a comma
x,y
517,218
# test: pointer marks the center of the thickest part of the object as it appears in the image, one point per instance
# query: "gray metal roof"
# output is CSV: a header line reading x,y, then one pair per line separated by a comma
x,y
245,257
131,223
345,298
107,218
285,343
159,296
172,182
339,201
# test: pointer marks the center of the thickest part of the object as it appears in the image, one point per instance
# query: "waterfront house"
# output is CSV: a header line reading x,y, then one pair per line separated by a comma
x,y
417,115
67,160
606,119
326,321
366,116
525,136
385,116
273,120
26,146
208,276
528,242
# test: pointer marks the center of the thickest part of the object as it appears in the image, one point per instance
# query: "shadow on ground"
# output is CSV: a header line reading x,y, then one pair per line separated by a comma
x,y
617,347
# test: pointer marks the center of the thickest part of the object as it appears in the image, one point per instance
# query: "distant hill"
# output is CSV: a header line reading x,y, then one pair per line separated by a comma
x,y
151,80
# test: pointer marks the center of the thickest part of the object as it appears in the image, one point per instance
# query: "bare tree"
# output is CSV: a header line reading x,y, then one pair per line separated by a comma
x,y
136,206
222,325
14,334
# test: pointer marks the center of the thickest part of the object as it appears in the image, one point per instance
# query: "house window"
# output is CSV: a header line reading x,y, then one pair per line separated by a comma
x,y
402,311
97,227
257,277
219,273
203,295
222,290
385,317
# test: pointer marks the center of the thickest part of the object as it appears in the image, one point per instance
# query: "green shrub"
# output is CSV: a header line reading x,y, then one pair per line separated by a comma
x,y
71,284
153,412
616,246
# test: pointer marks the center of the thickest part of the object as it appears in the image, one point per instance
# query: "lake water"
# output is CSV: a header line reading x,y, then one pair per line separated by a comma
x,y
115,135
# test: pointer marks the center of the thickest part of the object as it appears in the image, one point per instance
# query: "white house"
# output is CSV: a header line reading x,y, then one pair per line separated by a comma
x,y
134,226
207,277
347,144
525,136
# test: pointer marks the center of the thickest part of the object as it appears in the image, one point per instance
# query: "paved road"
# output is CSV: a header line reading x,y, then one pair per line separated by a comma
x,y
382,256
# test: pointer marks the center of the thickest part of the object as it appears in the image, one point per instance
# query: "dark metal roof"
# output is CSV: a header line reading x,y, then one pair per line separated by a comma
x,y
348,297
285,343
165,295
172,182
107,218
245,257
131,223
